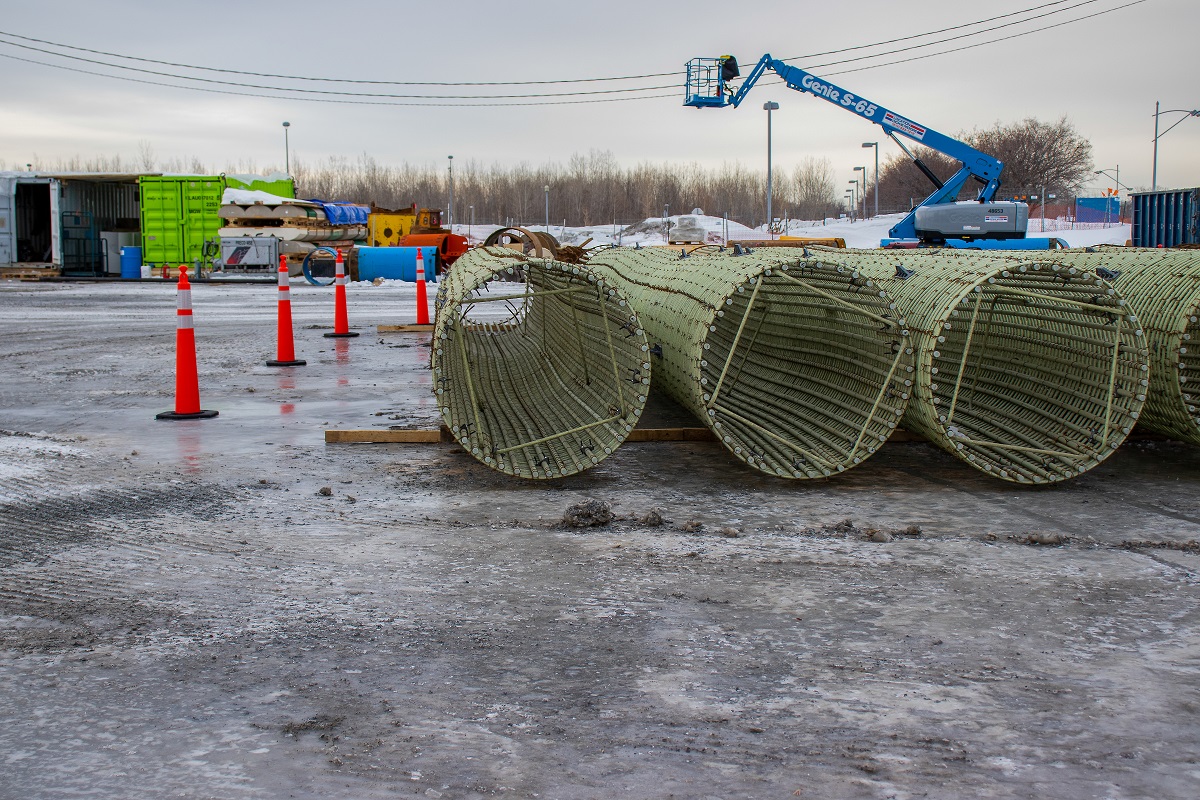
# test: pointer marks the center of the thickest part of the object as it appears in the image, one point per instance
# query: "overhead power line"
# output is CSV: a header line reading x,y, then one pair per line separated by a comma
x,y
515,83
535,98
210,90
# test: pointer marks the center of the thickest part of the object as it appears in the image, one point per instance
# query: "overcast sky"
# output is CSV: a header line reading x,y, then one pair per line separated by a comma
x,y
1103,73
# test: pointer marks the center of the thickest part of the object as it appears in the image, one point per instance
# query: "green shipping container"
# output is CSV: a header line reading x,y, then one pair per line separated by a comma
x,y
179,215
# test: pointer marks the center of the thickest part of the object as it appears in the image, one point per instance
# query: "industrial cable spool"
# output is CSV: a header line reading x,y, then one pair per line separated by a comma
x,y
1164,287
538,243
1029,370
801,369
539,377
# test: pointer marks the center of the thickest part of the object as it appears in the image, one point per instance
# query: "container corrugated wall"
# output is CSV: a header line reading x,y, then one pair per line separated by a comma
x,y
179,214
1166,219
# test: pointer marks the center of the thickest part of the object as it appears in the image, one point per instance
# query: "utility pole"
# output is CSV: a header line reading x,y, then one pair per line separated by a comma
x,y
1154,173
287,158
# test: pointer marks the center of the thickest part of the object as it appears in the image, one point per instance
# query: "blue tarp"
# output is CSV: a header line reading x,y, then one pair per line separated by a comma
x,y
344,213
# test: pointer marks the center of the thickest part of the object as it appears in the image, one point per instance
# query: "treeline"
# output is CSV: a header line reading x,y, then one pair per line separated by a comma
x,y
589,189
594,189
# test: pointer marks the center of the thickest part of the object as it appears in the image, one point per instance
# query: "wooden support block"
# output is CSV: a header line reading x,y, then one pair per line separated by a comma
x,y
383,437
671,435
405,329
428,436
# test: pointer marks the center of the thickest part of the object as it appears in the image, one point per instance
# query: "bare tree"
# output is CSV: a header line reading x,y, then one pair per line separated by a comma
x,y
146,155
1036,155
812,189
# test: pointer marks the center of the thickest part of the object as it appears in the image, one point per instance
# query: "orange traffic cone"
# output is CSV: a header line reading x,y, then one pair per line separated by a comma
x,y
341,322
286,351
422,302
187,381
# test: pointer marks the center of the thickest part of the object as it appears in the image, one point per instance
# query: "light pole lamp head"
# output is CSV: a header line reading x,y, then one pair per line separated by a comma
x,y
287,124
770,105
870,144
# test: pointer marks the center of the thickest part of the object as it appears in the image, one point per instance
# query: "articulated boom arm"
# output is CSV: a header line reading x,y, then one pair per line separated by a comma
x,y
975,164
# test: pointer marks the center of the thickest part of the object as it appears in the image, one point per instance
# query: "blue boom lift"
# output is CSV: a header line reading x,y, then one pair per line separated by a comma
x,y
984,223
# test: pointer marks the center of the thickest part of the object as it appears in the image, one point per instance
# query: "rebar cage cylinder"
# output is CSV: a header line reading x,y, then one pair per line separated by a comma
x,y
1163,286
802,370
1028,370
540,369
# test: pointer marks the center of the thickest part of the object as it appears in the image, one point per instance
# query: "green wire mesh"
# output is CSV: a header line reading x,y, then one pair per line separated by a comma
x,y
802,369
540,368
1163,286
1029,370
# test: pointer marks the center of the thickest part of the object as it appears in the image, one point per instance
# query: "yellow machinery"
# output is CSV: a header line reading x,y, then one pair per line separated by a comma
x,y
385,228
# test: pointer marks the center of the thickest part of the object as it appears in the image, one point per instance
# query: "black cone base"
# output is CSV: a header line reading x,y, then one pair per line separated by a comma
x,y
176,415
340,335
299,363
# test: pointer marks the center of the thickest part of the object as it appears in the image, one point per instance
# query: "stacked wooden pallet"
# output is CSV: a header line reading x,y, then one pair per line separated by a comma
x,y
27,273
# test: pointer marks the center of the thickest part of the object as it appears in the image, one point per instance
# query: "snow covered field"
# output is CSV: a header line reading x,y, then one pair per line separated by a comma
x,y
860,233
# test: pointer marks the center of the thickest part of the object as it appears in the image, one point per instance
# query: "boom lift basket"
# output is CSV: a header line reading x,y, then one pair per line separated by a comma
x,y
706,83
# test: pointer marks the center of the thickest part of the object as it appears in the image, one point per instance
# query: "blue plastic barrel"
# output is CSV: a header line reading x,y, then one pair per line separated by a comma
x,y
395,263
131,262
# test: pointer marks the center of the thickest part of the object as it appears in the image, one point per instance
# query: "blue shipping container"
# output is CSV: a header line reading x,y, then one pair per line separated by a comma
x,y
1166,219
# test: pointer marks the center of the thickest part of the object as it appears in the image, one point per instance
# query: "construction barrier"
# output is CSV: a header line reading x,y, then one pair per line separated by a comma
x,y
187,380
801,368
540,369
1029,370
1163,287
341,318
286,348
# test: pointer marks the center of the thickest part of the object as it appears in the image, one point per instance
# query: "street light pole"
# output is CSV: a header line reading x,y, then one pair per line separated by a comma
x,y
876,146
287,159
854,195
1157,135
471,224
546,188
769,107
450,211
863,194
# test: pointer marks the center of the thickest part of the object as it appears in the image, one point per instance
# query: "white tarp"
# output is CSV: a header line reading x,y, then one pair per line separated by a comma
x,y
248,197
